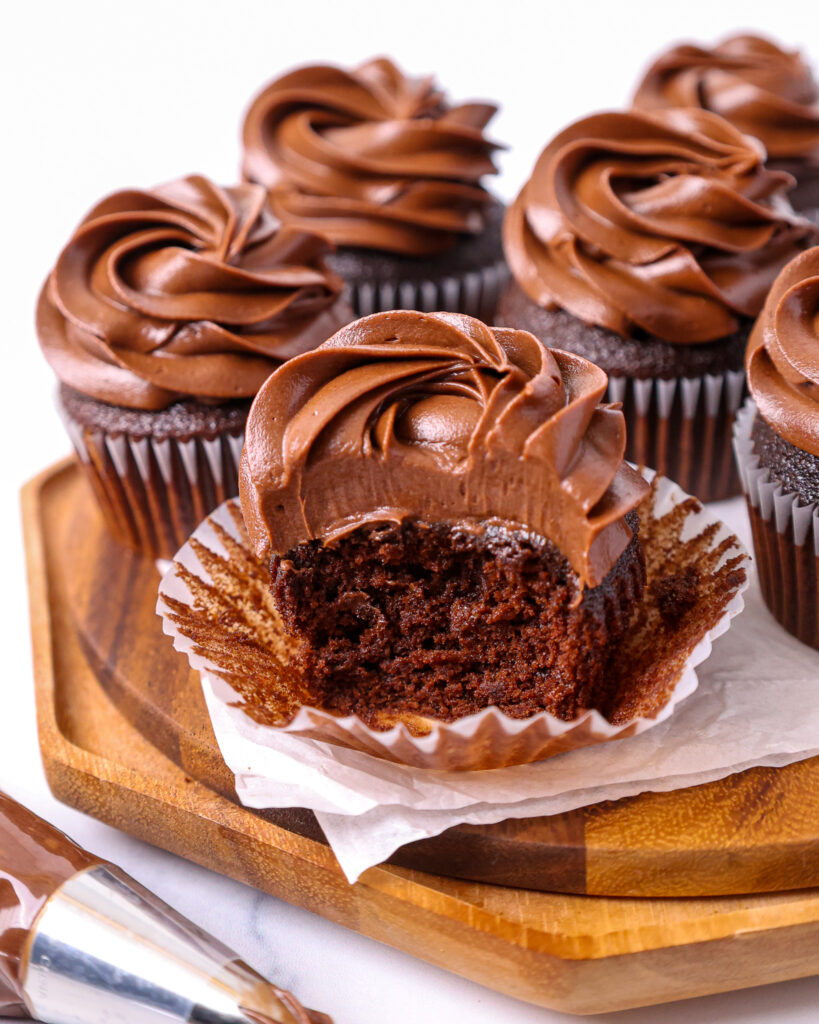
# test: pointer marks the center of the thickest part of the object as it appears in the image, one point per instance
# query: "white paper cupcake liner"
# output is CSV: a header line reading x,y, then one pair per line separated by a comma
x,y
682,428
786,538
474,293
153,493
487,739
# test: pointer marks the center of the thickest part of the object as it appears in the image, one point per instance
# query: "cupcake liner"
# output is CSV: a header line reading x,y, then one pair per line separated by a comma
x,y
786,538
682,428
153,493
474,292
215,603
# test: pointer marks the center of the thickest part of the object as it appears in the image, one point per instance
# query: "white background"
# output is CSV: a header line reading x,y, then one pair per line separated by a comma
x,y
98,96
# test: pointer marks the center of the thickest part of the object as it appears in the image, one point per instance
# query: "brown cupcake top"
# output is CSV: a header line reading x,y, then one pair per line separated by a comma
x,y
186,290
370,157
666,224
783,354
437,416
762,89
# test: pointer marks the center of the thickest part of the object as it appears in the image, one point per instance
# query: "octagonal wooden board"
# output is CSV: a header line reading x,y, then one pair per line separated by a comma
x,y
754,832
576,953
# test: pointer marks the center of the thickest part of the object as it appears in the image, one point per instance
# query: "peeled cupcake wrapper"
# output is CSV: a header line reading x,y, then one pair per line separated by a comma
x,y
682,427
153,493
786,538
474,292
215,603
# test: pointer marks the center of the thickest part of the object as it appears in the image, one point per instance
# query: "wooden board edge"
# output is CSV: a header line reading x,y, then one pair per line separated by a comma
x,y
538,976
61,756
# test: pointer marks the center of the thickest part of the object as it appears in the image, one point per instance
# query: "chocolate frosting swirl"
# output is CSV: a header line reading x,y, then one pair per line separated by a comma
x,y
761,89
662,223
435,415
783,354
187,290
370,157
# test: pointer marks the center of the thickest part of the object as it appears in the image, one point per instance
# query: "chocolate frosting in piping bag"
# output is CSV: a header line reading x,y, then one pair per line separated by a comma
x,y
435,415
370,157
187,290
35,860
783,354
662,223
760,88
44,955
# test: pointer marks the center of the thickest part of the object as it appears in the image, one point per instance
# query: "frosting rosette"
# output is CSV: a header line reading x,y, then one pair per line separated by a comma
x,y
186,290
760,88
437,416
666,224
783,354
370,157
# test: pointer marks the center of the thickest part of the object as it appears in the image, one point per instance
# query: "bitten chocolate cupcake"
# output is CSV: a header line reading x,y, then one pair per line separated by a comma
x,y
762,89
164,314
391,172
777,445
447,518
647,243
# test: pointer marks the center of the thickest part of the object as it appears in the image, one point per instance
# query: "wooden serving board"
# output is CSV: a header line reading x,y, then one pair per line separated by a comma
x,y
754,832
578,953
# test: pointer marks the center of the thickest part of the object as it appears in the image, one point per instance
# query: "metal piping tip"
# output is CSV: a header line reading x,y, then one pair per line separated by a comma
x,y
104,950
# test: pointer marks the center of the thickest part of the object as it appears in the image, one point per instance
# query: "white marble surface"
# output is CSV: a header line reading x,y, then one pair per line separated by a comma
x,y
99,95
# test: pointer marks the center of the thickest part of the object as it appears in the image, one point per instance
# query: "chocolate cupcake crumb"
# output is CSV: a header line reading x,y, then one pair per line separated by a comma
x,y
435,620
676,594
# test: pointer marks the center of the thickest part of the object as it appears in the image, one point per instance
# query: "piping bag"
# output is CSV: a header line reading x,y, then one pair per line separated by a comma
x,y
82,943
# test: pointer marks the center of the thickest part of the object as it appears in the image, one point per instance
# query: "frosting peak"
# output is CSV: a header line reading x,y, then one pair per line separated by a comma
x,y
186,290
407,414
665,223
760,88
370,157
783,354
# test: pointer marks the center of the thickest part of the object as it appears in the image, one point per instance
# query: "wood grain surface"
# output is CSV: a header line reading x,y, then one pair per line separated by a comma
x,y
576,953
754,832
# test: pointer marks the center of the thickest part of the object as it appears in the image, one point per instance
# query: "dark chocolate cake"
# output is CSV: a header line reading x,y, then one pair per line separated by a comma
x,y
440,621
448,519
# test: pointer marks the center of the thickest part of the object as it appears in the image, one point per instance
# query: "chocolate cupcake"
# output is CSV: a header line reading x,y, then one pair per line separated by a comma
x,y
776,440
646,243
164,314
387,169
447,518
760,88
